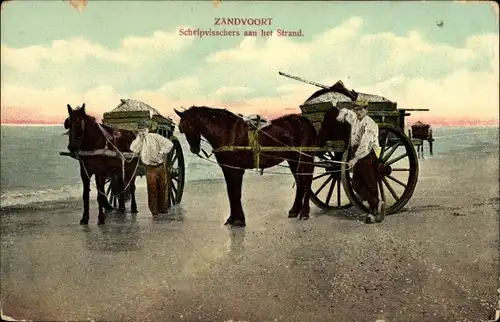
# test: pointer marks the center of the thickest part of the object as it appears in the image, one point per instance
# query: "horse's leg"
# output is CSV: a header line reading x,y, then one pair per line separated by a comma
x,y
306,166
121,193
234,180
133,204
297,204
85,195
99,182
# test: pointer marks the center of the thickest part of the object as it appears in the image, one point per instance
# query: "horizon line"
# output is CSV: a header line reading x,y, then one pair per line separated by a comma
x,y
406,126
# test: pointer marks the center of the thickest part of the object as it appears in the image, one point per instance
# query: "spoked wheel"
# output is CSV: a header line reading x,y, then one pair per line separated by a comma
x,y
397,172
326,188
113,201
175,173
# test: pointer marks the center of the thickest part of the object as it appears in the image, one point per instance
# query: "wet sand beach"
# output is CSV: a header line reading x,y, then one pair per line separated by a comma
x,y
435,261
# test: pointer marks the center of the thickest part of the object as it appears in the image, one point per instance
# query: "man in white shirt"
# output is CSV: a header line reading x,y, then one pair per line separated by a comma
x,y
152,149
364,142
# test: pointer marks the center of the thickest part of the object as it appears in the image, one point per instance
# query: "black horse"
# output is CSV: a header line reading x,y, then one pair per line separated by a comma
x,y
86,135
222,128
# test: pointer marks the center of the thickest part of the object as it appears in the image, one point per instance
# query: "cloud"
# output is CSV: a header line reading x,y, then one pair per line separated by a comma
x,y
160,41
184,86
281,52
409,69
52,103
60,52
450,80
275,50
463,92
133,50
235,91
345,52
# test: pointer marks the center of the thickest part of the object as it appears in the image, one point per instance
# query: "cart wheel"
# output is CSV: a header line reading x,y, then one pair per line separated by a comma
x,y
326,190
175,173
398,170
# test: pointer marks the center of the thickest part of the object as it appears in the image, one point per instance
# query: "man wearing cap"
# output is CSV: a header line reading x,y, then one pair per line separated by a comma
x,y
152,148
365,147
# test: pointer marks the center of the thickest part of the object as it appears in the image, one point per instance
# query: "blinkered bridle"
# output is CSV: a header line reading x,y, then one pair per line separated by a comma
x,y
195,147
69,125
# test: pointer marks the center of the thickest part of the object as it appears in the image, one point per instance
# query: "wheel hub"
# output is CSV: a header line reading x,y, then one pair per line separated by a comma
x,y
384,169
334,169
174,172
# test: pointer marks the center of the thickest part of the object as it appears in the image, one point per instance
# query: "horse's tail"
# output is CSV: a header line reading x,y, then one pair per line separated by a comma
x,y
117,186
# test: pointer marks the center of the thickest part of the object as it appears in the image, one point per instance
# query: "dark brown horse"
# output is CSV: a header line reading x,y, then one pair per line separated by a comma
x,y
222,128
86,135
333,130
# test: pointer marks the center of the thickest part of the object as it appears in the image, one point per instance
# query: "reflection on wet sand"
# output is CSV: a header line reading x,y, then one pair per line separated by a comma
x,y
114,238
236,245
175,213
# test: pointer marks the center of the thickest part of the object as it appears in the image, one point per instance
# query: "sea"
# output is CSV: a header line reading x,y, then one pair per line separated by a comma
x,y
33,172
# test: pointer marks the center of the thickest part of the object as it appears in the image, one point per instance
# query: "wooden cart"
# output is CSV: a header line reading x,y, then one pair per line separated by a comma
x,y
398,175
126,116
423,132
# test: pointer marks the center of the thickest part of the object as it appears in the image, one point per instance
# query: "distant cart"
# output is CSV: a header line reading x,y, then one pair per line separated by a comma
x,y
423,132
127,116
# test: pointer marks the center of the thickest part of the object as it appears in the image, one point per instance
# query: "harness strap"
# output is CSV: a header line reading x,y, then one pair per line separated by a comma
x,y
232,139
253,142
106,152
123,169
104,132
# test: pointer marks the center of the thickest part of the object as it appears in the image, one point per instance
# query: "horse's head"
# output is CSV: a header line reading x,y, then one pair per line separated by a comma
x,y
190,127
333,130
76,124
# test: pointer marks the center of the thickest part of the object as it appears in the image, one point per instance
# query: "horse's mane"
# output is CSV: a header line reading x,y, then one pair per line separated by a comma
x,y
282,117
216,112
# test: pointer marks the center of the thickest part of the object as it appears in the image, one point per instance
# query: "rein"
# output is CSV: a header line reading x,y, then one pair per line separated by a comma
x,y
99,191
256,149
105,152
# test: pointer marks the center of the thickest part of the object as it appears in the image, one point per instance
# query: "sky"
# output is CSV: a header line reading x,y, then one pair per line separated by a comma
x,y
53,55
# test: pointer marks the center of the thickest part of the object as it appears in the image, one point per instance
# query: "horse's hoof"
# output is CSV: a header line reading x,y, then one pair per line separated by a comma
x,y
100,219
370,219
84,222
229,221
304,217
121,210
238,223
134,211
292,214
